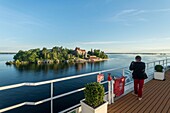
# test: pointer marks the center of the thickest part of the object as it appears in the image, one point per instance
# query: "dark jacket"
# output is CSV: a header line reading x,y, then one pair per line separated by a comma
x,y
138,69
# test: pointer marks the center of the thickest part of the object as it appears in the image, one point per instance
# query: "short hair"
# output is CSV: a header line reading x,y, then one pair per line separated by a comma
x,y
138,57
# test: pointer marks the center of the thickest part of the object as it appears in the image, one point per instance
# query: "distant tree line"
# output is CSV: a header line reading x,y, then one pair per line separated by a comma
x,y
55,54
98,53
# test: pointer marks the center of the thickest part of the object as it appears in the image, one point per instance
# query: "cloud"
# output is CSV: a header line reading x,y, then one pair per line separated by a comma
x,y
15,48
159,39
138,12
18,18
132,12
150,50
125,12
160,10
106,42
128,15
148,40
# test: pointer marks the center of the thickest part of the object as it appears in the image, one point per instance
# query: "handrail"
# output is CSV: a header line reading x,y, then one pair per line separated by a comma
x,y
77,105
159,60
45,100
56,80
59,80
63,79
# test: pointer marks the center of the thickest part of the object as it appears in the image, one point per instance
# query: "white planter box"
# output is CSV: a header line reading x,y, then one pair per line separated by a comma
x,y
159,75
87,109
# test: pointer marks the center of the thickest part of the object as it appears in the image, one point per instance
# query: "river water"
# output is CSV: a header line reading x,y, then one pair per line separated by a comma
x,y
34,73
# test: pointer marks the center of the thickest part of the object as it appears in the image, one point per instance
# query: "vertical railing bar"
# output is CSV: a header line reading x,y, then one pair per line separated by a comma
x,y
166,62
109,92
154,66
52,96
112,91
123,72
147,67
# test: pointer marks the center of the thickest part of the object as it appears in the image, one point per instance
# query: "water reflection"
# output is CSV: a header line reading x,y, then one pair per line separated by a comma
x,y
42,68
61,67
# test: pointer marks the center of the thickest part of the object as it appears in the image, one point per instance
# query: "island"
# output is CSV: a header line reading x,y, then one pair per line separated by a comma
x,y
57,55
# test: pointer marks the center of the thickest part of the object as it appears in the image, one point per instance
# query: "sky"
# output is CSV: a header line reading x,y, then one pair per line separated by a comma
x,y
109,25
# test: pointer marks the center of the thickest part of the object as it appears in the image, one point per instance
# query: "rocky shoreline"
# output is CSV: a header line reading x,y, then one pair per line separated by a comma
x,y
78,60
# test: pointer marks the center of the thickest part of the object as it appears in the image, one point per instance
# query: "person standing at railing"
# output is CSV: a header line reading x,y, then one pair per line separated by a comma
x,y
139,75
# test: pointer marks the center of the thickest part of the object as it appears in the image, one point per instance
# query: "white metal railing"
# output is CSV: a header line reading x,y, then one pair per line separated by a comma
x,y
128,86
110,86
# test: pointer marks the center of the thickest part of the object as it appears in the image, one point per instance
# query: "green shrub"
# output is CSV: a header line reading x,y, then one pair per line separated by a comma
x,y
17,62
94,94
159,68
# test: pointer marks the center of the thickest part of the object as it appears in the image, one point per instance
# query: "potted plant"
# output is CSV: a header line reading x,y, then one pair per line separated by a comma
x,y
94,99
159,73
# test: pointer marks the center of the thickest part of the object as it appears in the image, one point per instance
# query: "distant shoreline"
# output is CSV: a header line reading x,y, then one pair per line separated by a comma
x,y
105,53
8,53
142,53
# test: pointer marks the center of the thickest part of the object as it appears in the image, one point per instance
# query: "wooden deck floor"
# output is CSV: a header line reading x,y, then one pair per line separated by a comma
x,y
156,99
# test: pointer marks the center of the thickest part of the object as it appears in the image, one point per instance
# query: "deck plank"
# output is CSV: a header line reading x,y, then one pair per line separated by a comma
x,y
132,103
159,103
127,99
139,104
159,110
156,99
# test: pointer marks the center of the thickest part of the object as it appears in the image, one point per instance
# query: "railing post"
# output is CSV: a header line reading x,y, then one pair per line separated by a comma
x,y
109,88
147,67
112,91
52,97
109,92
123,72
166,62
154,67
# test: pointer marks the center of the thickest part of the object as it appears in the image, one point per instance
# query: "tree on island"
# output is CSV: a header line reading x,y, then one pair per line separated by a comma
x,y
56,54
98,53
